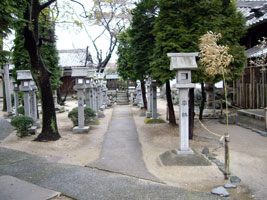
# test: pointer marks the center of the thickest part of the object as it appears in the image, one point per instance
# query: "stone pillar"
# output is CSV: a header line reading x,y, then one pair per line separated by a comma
x,y
33,103
80,108
7,90
95,99
87,96
27,103
154,101
99,95
16,98
183,120
91,96
149,98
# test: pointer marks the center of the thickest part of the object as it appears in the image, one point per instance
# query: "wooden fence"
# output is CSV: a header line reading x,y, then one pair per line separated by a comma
x,y
250,91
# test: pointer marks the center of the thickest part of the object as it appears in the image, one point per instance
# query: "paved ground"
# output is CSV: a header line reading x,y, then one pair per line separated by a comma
x,y
84,183
121,151
5,129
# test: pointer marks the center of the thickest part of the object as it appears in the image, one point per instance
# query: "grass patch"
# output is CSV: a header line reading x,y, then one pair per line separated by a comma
x,y
154,121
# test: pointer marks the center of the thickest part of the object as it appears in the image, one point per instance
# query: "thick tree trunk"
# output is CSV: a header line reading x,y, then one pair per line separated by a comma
x,y
40,74
144,94
172,119
203,100
191,113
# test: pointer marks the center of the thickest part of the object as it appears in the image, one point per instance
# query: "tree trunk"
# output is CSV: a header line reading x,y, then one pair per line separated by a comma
x,y
144,94
40,73
203,100
172,119
191,113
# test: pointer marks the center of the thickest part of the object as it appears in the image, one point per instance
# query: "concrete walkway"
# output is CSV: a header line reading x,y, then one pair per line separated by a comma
x,y
84,183
121,152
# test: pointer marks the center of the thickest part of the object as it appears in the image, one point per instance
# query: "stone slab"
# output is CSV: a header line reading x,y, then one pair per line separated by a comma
x,y
85,129
172,158
16,189
221,191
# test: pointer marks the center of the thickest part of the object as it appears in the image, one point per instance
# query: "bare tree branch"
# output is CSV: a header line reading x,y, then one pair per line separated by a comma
x,y
46,4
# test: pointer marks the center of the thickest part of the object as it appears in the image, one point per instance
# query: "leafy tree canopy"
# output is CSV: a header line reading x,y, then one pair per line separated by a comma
x,y
181,23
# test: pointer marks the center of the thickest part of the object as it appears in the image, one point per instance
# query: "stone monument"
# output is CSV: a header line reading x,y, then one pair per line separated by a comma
x,y
183,63
80,73
25,77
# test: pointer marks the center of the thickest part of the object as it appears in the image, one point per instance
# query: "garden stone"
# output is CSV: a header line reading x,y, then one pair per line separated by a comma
x,y
205,151
221,191
235,179
229,185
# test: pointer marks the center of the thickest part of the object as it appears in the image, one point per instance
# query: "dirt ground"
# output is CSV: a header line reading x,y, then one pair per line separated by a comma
x,y
76,149
248,150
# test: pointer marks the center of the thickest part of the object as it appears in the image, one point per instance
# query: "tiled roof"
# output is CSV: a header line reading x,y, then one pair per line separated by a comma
x,y
256,51
254,11
112,76
74,58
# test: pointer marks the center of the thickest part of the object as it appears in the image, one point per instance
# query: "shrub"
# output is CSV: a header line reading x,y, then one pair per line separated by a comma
x,y
20,110
89,114
22,124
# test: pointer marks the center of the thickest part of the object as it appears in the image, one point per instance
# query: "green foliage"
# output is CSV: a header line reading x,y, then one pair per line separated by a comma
x,y
136,43
20,110
180,24
49,52
154,121
22,124
89,115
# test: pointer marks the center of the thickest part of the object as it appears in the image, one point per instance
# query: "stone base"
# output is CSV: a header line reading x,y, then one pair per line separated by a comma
x,y
185,152
37,124
32,130
85,129
148,114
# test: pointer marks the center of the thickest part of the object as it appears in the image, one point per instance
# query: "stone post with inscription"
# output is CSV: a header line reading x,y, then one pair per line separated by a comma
x,y
183,63
80,73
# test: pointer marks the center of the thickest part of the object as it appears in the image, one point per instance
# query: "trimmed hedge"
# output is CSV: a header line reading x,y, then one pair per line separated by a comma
x,y
89,115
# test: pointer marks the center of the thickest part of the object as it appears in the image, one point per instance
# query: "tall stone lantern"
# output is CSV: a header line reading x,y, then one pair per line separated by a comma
x,y
25,77
183,63
80,73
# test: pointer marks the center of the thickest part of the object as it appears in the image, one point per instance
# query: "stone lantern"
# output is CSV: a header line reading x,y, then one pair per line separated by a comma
x,y
183,63
100,89
25,77
89,88
80,73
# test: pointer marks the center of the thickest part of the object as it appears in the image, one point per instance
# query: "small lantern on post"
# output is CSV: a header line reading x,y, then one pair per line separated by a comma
x,y
80,73
183,63
25,77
